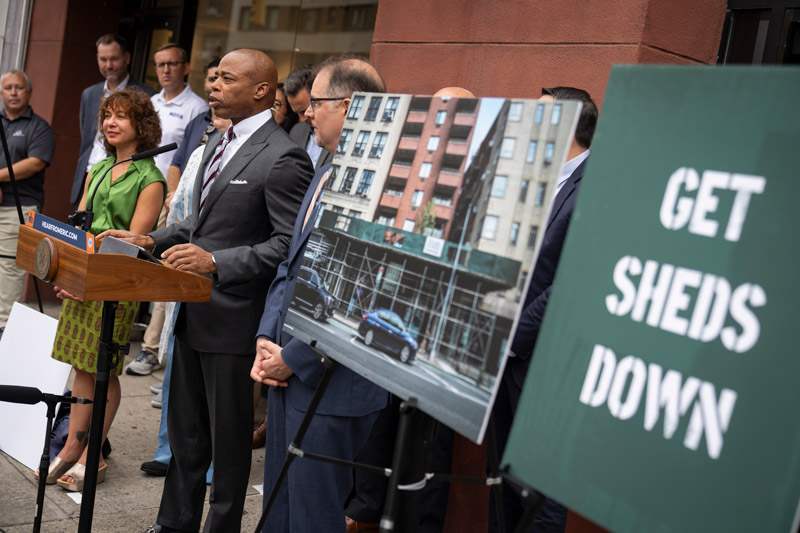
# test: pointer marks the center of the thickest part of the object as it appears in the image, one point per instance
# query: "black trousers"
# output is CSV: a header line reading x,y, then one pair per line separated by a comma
x,y
369,490
553,516
210,417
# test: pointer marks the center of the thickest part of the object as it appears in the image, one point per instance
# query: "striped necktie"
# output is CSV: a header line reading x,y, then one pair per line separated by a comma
x,y
215,166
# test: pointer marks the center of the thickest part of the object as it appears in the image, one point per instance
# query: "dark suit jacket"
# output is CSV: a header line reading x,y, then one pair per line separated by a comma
x,y
542,281
90,105
247,223
347,394
300,134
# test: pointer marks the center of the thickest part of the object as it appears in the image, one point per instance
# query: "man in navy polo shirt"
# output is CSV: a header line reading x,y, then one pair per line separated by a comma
x,y
30,145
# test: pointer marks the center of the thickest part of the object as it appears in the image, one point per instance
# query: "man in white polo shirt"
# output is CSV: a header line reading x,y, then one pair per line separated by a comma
x,y
176,106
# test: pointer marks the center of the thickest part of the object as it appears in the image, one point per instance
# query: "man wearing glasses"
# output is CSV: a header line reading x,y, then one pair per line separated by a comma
x,y
176,104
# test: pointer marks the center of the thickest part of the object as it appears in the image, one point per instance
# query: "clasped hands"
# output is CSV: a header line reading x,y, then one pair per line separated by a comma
x,y
188,257
268,367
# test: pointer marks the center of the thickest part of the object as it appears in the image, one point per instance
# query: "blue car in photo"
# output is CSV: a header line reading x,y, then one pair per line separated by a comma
x,y
385,330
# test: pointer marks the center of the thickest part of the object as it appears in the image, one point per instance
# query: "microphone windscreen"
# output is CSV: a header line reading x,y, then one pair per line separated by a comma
x,y
18,394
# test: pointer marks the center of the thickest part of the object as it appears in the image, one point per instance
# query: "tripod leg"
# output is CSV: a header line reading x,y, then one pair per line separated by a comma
x,y
401,510
494,471
534,502
330,366
44,467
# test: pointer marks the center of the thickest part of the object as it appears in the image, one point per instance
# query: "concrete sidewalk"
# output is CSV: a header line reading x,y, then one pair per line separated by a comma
x,y
128,500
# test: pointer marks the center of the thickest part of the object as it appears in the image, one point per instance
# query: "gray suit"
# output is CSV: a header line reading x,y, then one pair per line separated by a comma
x,y
300,134
247,222
90,105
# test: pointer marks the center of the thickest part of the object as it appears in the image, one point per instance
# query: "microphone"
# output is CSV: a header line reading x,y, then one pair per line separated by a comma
x,y
84,218
32,396
154,152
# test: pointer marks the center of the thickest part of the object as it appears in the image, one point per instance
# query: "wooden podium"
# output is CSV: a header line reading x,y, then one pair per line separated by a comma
x,y
93,276
110,278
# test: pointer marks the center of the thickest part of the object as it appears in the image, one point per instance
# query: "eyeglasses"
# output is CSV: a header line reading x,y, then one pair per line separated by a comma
x,y
316,102
276,106
209,132
170,64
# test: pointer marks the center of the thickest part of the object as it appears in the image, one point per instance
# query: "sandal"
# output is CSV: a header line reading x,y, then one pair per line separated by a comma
x,y
78,473
56,470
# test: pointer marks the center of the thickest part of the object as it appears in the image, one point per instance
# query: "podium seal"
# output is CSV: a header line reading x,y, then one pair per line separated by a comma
x,y
46,259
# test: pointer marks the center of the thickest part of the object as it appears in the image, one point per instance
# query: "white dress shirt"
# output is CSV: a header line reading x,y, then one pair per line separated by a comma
x,y
568,168
242,132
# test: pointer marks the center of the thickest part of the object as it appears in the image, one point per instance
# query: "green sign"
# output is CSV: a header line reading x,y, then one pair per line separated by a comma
x,y
663,392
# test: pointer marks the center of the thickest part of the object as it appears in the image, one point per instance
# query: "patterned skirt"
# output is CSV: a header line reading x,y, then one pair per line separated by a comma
x,y
78,333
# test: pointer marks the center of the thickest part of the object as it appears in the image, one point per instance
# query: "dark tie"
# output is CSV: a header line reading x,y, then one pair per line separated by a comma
x,y
215,166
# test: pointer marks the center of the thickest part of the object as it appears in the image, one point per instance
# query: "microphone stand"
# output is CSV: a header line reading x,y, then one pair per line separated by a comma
x,y
13,181
32,396
44,464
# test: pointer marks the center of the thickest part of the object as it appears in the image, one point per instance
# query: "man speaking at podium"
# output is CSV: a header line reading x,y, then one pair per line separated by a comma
x,y
247,196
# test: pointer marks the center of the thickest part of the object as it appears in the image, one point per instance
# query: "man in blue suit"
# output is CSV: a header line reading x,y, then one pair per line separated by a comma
x,y
553,516
313,495
113,59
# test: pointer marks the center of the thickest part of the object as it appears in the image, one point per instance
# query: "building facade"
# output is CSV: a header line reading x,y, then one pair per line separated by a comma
x,y
364,154
512,183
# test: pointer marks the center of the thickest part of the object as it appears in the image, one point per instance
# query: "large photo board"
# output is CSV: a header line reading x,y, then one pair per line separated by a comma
x,y
433,212
662,394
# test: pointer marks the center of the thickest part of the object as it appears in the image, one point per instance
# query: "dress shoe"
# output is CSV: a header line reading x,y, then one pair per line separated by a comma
x,y
56,470
78,473
154,468
260,435
354,526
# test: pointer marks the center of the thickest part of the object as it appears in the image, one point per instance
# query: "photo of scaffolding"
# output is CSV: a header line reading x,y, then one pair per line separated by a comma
x,y
431,219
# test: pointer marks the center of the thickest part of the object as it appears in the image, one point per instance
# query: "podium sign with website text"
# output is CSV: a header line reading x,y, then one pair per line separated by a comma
x,y
663,394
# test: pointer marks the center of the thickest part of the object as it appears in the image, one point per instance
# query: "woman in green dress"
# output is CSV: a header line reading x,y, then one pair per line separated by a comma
x,y
129,198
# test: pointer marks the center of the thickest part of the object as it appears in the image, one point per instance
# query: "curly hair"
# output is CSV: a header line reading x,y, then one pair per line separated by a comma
x,y
144,119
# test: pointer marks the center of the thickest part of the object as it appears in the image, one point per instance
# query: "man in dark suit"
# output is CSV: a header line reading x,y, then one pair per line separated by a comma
x,y
297,87
113,59
247,197
553,516
312,497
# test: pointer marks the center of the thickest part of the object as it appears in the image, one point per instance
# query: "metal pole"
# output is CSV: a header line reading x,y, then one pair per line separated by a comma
x,y
446,302
106,352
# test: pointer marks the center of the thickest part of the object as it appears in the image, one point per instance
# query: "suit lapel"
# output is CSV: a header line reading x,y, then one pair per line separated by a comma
x,y
300,235
242,157
565,192
324,158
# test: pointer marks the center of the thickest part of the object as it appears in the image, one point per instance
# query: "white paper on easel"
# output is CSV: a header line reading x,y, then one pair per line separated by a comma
x,y
25,360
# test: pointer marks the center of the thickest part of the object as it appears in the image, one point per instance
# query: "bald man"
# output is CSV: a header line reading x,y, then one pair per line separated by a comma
x,y
454,92
247,195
